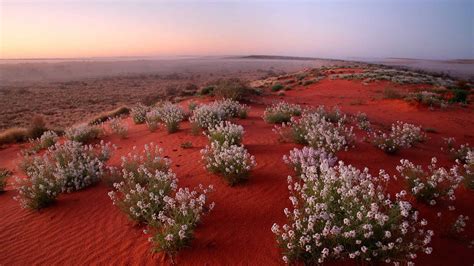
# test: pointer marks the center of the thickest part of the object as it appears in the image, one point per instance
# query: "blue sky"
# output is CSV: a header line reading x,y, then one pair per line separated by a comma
x,y
338,29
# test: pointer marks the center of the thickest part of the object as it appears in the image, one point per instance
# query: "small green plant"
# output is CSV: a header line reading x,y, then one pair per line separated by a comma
x,y
459,96
277,87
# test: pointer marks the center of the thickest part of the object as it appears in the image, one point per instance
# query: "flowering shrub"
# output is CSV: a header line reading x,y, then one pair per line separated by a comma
x,y
281,112
430,99
138,113
42,185
232,108
4,174
343,213
118,127
460,224
432,186
226,132
207,116
316,131
171,115
137,165
300,159
48,139
173,227
457,153
232,162
335,115
153,119
402,135
468,172
362,121
141,201
83,133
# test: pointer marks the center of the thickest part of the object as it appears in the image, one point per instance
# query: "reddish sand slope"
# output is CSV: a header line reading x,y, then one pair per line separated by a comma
x,y
84,227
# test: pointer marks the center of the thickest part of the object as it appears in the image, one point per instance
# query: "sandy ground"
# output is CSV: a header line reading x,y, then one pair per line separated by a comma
x,y
84,227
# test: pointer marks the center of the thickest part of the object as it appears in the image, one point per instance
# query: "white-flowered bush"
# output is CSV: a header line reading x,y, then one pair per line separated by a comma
x,y
138,113
344,213
207,116
173,227
362,121
281,112
226,132
457,152
468,171
459,225
48,139
171,115
232,162
83,133
138,164
42,185
231,108
437,184
148,194
334,115
300,159
153,119
402,135
117,126
140,201
315,130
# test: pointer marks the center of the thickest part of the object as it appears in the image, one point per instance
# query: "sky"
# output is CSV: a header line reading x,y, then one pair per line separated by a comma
x,y
437,29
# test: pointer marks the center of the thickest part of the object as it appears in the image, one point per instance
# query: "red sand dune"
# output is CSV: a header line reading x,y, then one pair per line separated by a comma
x,y
84,227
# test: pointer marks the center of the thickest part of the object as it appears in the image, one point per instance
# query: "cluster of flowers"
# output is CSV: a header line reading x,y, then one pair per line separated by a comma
x,y
281,112
118,127
138,113
317,131
167,114
226,132
209,115
432,186
83,133
402,135
460,224
63,168
300,159
47,139
340,212
149,194
335,115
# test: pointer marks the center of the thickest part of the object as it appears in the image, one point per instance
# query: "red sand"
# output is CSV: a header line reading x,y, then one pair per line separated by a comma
x,y
84,227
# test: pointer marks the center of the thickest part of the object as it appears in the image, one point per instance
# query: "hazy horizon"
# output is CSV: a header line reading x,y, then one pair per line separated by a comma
x,y
438,29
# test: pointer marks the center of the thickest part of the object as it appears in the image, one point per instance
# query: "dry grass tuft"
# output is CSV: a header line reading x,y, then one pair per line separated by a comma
x,y
102,117
14,135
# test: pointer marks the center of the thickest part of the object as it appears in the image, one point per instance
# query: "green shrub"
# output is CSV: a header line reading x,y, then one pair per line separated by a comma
x,y
233,89
459,96
208,90
277,87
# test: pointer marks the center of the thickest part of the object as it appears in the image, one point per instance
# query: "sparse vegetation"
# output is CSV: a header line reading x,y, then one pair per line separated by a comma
x,y
102,117
277,87
117,126
138,113
4,174
281,112
83,133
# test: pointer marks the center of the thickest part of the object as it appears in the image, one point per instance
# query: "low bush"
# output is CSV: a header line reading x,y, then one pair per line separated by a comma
x,y
232,162
14,135
117,126
83,133
150,160
343,213
153,119
48,139
226,132
402,135
390,93
4,174
171,115
468,171
459,96
430,99
41,187
457,153
37,127
433,186
208,90
362,121
277,87
281,112
186,145
233,88
138,113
